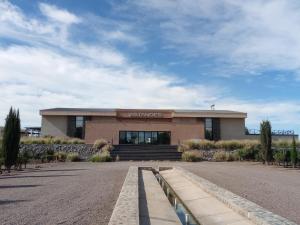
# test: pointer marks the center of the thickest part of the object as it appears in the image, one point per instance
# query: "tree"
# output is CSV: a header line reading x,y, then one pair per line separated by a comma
x,y
11,138
294,153
266,141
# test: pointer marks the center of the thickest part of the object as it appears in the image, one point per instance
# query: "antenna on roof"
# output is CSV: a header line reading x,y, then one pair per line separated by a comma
x,y
212,107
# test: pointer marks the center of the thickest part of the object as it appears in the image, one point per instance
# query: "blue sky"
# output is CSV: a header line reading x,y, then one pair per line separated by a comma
x,y
238,55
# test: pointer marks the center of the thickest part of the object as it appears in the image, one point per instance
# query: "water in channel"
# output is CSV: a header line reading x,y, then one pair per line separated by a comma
x,y
184,215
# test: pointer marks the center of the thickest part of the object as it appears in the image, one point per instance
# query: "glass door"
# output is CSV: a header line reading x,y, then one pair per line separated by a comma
x,y
148,137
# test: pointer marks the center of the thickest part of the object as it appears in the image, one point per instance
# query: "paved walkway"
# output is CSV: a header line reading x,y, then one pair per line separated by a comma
x,y
206,208
155,208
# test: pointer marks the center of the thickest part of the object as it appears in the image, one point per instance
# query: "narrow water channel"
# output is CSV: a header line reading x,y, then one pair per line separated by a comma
x,y
182,212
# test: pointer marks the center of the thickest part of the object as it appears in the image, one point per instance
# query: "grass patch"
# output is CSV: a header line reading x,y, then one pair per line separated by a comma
x,y
101,157
192,156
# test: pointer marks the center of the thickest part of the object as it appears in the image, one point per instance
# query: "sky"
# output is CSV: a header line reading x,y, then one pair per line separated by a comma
x,y
182,54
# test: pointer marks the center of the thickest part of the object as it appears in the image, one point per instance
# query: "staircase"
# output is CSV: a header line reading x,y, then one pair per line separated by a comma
x,y
146,152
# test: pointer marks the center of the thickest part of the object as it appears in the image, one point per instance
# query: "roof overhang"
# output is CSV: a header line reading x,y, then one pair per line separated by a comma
x,y
143,113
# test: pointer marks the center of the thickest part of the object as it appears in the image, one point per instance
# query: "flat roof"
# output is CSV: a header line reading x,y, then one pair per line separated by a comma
x,y
114,111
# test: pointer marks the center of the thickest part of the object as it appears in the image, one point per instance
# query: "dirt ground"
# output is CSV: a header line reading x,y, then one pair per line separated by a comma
x,y
85,193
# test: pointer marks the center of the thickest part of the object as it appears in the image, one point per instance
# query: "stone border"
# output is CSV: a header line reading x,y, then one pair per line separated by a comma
x,y
246,208
126,210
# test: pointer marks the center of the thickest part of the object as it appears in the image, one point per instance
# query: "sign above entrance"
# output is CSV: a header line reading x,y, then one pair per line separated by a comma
x,y
144,114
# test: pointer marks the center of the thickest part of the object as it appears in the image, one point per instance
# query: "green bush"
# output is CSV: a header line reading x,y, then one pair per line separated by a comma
x,y
49,156
279,157
11,138
100,143
294,154
101,157
266,141
25,157
192,156
73,157
60,156
248,152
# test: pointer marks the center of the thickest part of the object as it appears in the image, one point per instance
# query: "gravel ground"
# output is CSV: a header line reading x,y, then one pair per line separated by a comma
x,y
85,193
71,193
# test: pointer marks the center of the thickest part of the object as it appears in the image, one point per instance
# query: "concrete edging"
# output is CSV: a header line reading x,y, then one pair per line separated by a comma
x,y
126,210
252,211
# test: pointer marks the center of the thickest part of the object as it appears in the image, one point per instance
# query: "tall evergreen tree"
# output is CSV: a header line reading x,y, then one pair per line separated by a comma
x,y
11,138
266,141
294,153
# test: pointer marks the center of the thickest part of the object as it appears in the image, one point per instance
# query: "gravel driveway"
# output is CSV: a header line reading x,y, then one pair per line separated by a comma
x,y
85,193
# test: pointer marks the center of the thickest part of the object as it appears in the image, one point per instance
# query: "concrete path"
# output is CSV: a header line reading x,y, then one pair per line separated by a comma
x,y
155,208
206,208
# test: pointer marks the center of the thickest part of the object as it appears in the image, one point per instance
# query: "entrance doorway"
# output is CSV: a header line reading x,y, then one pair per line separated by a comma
x,y
145,137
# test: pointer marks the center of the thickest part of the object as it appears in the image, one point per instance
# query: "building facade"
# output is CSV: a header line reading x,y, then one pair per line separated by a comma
x,y
143,126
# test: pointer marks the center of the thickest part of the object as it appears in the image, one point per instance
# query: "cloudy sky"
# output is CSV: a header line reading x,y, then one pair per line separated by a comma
x,y
236,54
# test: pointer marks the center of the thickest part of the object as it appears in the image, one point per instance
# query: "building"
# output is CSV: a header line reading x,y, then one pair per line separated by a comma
x,y
143,126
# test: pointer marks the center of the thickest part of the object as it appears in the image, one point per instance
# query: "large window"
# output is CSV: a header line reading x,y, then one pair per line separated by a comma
x,y
145,137
212,129
76,126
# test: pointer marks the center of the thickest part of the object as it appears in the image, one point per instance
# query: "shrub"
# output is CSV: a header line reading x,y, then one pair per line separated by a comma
x,y
73,157
287,157
222,156
11,138
199,144
101,157
192,156
279,157
24,157
229,145
266,140
107,148
60,156
294,154
49,156
51,140
219,156
100,143
248,152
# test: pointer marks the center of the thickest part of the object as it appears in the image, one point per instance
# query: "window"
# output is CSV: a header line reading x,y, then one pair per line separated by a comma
x,y
208,129
76,126
164,138
212,129
154,138
145,137
141,137
122,137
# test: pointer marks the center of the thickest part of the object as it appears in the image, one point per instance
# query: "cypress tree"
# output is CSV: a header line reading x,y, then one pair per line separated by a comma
x,y
266,141
294,153
11,138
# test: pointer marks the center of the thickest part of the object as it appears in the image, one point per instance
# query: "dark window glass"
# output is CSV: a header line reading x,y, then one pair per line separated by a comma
x,y
76,126
163,138
141,137
122,137
208,129
148,137
154,137
128,137
144,137
134,138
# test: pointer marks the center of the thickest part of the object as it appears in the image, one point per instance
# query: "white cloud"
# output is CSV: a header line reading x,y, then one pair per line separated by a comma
x,y
245,37
60,15
33,78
